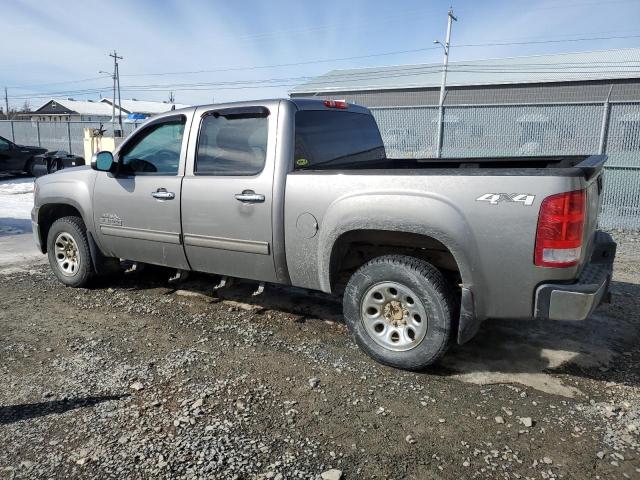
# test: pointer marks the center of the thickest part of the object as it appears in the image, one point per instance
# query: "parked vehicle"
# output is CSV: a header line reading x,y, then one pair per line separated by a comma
x,y
17,158
51,162
300,192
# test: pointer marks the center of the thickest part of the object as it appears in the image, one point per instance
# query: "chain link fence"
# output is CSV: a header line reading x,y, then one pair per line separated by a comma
x,y
67,136
468,131
508,130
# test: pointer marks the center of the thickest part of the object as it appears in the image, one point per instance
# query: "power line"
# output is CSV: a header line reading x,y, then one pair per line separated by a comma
x,y
279,65
24,87
311,62
355,76
538,42
374,55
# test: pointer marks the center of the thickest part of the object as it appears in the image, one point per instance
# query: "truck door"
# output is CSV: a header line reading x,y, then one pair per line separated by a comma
x,y
137,209
227,193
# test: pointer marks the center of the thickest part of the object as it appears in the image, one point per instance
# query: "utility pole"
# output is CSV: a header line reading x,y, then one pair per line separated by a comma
x,y
172,98
445,63
6,103
119,99
116,81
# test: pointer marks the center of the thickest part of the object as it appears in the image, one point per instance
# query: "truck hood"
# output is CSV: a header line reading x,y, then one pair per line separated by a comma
x,y
83,173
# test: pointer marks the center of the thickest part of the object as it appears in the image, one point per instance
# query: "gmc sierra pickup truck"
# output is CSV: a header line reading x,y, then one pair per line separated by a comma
x,y
301,192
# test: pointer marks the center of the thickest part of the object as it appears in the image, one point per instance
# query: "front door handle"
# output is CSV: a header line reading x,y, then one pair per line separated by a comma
x,y
249,196
162,194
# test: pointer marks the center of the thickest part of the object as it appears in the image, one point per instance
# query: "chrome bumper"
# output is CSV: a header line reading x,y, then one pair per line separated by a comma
x,y
576,301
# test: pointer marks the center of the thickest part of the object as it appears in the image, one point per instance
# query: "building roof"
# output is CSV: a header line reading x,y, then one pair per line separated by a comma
x,y
80,107
559,67
144,106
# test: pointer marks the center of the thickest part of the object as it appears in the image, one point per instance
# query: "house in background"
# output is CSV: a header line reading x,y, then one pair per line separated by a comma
x,y
140,109
70,110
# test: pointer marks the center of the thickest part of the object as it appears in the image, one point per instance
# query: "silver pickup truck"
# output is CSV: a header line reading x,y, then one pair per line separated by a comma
x,y
301,192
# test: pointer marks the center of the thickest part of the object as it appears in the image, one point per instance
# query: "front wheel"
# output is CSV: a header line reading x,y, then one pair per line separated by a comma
x,y
68,251
400,311
29,167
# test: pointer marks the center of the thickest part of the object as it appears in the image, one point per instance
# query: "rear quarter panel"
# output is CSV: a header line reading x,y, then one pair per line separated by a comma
x,y
493,243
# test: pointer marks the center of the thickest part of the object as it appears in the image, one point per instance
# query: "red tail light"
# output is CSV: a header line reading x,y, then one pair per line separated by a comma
x,y
336,104
559,234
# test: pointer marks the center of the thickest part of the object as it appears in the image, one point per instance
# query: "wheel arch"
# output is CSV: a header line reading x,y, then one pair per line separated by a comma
x,y
49,213
422,219
355,247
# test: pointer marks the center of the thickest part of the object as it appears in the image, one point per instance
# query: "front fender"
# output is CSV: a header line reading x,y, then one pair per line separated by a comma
x,y
72,187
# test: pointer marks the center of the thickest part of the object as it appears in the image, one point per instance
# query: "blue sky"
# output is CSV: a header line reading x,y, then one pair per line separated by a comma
x,y
68,41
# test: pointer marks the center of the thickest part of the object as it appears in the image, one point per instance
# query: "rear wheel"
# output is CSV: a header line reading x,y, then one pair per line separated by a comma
x,y
400,311
68,251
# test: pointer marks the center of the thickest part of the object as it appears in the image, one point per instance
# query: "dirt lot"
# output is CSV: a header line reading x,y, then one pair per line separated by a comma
x,y
136,378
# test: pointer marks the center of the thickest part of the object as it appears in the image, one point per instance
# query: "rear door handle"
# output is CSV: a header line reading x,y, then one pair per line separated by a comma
x,y
162,194
249,196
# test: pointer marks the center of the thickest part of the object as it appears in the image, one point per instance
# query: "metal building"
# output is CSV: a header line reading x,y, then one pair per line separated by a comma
x,y
571,103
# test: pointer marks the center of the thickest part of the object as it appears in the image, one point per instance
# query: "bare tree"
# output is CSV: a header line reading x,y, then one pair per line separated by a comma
x,y
26,108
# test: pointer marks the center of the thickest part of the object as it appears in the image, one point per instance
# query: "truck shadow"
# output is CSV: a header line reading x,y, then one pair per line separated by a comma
x,y
15,413
14,226
524,352
527,352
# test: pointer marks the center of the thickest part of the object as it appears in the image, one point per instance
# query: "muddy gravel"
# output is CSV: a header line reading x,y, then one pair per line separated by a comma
x,y
135,377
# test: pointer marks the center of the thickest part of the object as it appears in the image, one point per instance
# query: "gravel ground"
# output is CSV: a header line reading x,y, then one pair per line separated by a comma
x,y
138,378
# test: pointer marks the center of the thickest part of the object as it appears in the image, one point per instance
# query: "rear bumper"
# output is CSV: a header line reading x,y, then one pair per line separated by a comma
x,y
576,301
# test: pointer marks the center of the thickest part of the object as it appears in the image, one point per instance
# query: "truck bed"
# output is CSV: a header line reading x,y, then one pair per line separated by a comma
x,y
586,165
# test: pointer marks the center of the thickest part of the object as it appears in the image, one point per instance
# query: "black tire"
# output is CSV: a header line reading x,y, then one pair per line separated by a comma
x,y
71,227
431,289
28,167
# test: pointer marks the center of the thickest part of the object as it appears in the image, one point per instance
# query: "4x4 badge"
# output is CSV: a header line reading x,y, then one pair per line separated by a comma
x,y
495,198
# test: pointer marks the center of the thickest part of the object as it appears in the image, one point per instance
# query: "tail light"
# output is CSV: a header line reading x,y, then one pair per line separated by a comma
x,y
341,104
559,233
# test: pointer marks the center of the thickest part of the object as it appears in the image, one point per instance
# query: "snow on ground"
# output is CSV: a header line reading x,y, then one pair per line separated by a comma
x,y
16,201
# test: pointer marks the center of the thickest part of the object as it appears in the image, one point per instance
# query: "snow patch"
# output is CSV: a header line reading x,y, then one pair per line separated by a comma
x,y
16,202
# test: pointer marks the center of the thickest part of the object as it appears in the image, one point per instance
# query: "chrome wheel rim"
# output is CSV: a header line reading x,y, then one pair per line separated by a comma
x,y
393,316
67,254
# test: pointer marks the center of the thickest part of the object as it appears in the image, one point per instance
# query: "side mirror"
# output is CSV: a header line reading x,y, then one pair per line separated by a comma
x,y
102,161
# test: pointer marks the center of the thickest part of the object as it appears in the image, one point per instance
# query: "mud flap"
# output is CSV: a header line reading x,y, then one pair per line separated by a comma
x,y
101,265
468,324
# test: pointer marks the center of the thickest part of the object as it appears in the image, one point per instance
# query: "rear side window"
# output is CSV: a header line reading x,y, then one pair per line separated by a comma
x,y
232,145
326,140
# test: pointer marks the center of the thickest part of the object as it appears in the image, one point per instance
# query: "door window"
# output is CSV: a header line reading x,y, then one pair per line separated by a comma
x,y
4,144
231,145
155,150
